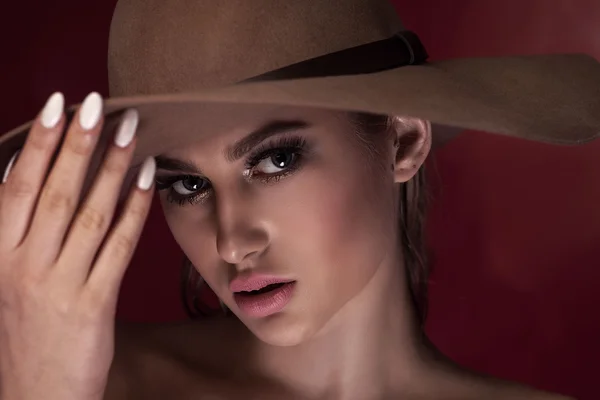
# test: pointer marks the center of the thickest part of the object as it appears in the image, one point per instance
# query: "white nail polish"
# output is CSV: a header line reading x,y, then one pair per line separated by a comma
x,y
127,129
53,110
10,165
146,175
91,111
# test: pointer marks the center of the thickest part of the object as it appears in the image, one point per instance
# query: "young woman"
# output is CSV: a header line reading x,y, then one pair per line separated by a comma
x,y
286,140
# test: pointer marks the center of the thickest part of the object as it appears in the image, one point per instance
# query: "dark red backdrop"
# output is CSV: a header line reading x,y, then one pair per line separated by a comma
x,y
516,226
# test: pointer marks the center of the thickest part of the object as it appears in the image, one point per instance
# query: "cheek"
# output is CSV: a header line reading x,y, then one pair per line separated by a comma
x,y
195,236
329,225
341,230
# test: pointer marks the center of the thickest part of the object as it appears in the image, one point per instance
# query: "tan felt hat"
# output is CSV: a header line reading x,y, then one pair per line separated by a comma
x,y
199,67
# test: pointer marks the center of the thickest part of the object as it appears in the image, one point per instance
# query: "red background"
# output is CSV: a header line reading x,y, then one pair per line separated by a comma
x,y
515,226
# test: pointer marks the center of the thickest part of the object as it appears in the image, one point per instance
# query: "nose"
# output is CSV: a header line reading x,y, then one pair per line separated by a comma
x,y
241,232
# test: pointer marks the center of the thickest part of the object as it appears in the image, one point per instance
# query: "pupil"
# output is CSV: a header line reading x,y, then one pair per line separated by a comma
x,y
281,160
191,184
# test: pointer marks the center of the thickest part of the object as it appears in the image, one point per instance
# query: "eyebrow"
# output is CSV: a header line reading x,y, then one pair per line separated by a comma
x,y
173,164
244,145
238,149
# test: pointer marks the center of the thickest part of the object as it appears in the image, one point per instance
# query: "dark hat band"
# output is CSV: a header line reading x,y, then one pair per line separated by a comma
x,y
400,50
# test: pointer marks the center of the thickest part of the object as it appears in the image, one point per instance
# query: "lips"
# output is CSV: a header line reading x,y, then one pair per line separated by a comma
x,y
255,283
260,295
265,289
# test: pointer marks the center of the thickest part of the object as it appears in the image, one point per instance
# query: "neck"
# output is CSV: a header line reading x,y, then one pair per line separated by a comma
x,y
371,347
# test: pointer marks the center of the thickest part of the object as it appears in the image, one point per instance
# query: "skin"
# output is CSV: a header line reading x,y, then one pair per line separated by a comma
x,y
328,227
348,333
61,264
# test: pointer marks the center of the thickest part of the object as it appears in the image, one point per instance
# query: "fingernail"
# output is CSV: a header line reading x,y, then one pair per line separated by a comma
x,y
53,110
91,111
127,128
146,176
12,161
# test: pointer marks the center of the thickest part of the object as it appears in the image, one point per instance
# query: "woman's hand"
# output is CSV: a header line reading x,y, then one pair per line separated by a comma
x,y
60,266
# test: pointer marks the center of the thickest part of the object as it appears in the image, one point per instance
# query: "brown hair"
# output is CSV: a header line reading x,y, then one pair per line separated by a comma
x,y
411,222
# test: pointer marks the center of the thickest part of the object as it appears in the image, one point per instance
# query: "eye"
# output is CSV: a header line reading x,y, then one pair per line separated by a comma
x,y
276,162
277,159
184,188
189,185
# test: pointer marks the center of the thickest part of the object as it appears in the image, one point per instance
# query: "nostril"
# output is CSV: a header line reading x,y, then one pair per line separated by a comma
x,y
239,245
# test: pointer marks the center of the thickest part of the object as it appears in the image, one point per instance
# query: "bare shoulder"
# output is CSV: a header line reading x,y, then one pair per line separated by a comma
x,y
496,389
171,360
532,394
181,360
499,391
454,381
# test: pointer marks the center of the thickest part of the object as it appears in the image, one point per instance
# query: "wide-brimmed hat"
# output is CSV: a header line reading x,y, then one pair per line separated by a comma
x,y
200,67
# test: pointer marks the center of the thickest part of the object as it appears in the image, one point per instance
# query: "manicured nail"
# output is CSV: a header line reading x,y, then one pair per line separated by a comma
x,y
146,176
127,128
10,165
53,110
91,111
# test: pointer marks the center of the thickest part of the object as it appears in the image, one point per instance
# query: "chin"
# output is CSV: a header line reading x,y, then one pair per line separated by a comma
x,y
281,329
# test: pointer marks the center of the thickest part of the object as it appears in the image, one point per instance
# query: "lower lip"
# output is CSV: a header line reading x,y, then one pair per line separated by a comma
x,y
265,304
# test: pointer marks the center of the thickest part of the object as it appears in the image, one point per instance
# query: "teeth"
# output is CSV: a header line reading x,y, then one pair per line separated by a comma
x,y
267,288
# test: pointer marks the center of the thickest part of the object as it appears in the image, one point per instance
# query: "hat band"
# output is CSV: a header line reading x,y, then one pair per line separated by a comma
x,y
404,48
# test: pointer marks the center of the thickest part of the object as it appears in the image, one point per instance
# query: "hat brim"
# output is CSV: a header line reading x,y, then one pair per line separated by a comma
x,y
552,99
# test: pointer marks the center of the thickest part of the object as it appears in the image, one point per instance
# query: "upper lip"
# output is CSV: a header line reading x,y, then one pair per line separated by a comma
x,y
255,282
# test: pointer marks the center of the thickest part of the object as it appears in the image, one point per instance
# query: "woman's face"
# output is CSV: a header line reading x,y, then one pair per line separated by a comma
x,y
298,200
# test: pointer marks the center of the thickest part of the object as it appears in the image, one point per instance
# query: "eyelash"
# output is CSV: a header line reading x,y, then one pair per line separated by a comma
x,y
294,145
167,183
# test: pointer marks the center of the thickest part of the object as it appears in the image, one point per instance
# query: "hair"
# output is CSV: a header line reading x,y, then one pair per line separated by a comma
x,y
411,225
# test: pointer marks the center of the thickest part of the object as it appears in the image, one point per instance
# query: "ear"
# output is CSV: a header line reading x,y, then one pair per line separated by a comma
x,y
411,139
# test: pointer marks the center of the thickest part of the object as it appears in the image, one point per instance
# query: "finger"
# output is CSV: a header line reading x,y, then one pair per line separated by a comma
x,y
105,278
95,215
61,192
23,179
1,191
10,166
7,170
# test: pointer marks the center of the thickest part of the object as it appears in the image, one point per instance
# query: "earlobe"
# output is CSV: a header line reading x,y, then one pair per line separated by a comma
x,y
411,146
